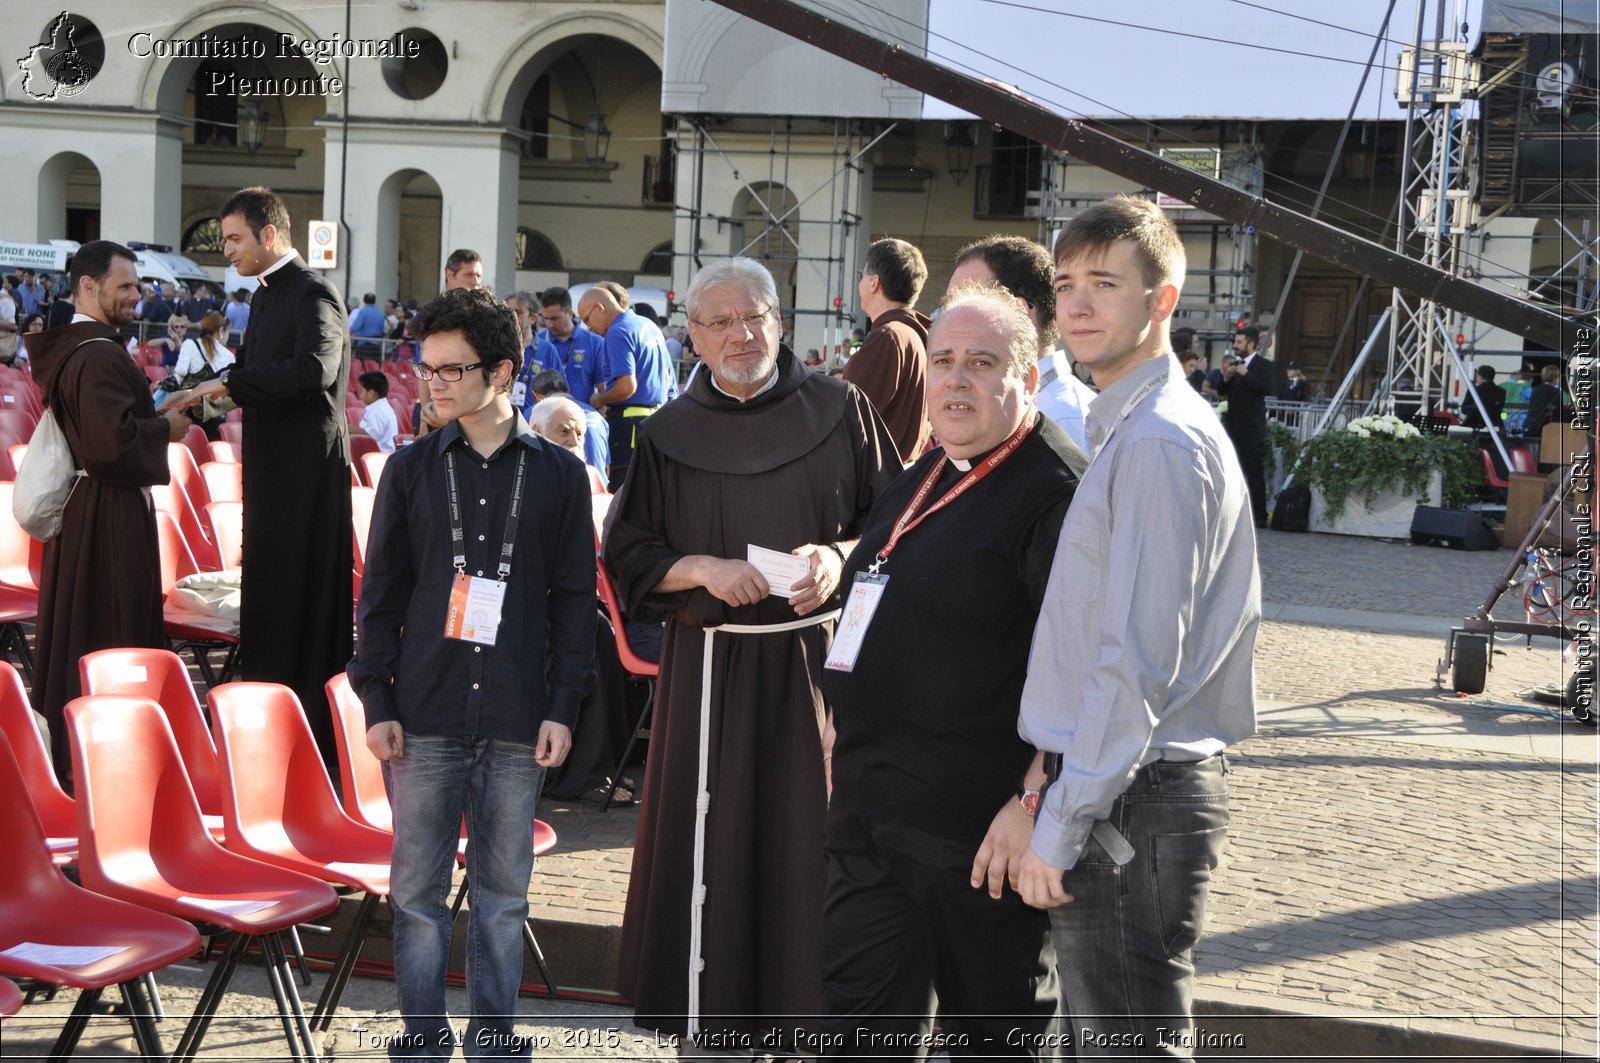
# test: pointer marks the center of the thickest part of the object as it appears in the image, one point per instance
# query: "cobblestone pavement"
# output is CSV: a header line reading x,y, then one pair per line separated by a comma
x,y
1398,855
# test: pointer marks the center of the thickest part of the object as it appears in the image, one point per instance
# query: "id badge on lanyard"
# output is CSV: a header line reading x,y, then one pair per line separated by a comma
x,y
473,611
865,594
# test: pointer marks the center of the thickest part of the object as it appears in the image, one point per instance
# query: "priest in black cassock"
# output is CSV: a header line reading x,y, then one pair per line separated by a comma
x,y
296,603
759,451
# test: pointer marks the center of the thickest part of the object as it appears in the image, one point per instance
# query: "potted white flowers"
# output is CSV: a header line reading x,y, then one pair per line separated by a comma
x,y
1369,477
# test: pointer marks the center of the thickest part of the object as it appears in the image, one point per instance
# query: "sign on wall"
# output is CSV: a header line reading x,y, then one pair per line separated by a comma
x,y
323,246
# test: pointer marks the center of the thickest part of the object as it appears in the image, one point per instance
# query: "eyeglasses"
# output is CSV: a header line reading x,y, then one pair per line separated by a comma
x,y
448,373
752,321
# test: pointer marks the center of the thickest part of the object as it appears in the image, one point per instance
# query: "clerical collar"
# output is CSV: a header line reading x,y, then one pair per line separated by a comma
x,y
772,382
264,274
964,464
77,317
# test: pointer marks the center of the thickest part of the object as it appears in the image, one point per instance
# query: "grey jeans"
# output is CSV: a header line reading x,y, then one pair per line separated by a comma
x,y
1124,945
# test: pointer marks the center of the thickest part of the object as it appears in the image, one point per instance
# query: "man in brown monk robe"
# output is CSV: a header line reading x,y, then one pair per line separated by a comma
x,y
758,452
100,583
892,364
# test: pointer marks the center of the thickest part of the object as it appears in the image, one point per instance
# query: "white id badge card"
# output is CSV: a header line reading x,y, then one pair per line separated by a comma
x,y
519,394
474,613
865,593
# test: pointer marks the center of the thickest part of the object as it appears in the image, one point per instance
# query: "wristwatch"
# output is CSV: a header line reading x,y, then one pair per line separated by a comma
x,y
1030,800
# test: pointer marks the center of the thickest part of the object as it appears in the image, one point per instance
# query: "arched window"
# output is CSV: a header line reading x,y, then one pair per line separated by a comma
x,y
535,251
216,117
203,237
659,260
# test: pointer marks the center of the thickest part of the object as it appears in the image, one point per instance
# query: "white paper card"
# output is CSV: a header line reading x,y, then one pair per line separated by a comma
x,y
865,593
62,955
225,907
781,571
519,394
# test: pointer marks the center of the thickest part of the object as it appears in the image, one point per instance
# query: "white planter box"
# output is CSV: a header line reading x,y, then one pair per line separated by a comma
x,y
1389,516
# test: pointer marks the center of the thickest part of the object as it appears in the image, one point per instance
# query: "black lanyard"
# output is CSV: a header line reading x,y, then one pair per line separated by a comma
x,y
458,537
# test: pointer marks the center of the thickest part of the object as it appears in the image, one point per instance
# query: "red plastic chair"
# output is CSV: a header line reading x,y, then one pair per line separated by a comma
x,y
173,501
17,450
186,473
20,556
39,906
278,806
233,432
160,676
199,446
637,668
1493,478
56,811
224,480
1522,460
8,468
360,445
156,373
223,451
10,998
367,800
361,499
144,842
372,464
227,521
185,632
17,422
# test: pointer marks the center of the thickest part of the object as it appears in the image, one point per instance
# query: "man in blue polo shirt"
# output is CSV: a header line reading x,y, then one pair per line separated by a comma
x,y
565,346
637,374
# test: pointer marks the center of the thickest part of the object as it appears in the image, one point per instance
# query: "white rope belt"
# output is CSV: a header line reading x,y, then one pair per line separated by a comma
x,y
702,804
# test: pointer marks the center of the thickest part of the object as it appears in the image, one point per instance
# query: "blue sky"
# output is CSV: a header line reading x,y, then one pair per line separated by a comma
x,y
1061,57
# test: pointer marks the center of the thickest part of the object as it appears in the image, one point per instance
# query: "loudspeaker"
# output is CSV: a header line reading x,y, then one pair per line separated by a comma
x,y
1461,529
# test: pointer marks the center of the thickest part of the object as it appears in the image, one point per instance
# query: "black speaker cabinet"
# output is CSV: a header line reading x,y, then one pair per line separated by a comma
x,y
1461,529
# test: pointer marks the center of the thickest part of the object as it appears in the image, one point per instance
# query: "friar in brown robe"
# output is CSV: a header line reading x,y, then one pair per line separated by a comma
x,y
100,583
799,463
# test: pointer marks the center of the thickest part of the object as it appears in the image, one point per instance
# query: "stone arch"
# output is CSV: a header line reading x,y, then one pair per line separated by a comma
x,y
751,232
529,57
164,81
63,188
409,249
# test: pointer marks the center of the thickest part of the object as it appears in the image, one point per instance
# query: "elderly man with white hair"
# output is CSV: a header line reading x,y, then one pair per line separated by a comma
x,y
745,496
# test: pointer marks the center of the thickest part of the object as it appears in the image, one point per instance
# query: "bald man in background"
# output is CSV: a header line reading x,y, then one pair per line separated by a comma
x,y
635,369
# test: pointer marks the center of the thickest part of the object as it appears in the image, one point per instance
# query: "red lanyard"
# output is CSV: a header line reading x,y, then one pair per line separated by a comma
x,y
978,472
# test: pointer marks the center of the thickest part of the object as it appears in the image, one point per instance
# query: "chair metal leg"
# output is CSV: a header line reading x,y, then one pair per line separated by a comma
x,y
72,1031
154,992
640,730
296,1031
205,1009
141,1017
300,956
328,1003
461,896
538,959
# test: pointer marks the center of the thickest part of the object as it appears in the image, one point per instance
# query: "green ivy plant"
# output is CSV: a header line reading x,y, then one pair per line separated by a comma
x,y
1374,454
1281,439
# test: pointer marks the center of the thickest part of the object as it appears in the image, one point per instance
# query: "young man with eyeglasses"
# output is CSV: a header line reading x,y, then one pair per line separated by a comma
x,y
635,376
471,678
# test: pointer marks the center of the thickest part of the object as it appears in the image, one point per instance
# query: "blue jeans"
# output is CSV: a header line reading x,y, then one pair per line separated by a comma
x,y
1124,944
495,783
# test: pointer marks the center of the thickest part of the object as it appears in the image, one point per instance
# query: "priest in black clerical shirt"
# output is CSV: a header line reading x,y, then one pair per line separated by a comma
x,y
926,760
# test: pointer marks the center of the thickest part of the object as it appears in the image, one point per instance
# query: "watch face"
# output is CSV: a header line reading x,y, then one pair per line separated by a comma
x,y
1030,802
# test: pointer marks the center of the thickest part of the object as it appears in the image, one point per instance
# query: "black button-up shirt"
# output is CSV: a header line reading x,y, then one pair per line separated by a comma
x,y
404,668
